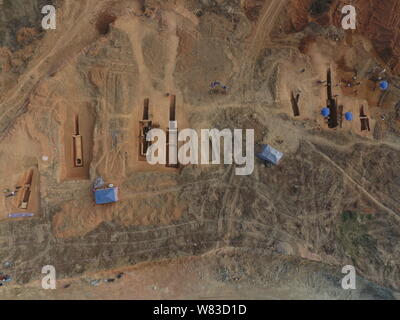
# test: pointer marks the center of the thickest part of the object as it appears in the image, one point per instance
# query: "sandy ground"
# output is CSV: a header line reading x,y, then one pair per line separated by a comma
x,y
164,213
213,276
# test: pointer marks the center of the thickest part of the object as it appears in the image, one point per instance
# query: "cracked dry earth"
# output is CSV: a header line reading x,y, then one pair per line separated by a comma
x,y
282,232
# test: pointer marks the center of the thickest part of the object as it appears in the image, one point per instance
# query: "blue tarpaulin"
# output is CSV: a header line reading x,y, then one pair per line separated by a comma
x,y
348,116
270,154
103,196
325,112
20,215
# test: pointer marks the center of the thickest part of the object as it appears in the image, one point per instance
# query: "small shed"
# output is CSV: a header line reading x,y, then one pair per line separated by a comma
x,y
108,195
269,154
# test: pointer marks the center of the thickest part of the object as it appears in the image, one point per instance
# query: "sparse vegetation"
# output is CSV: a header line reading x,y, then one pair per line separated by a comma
x,y
7,4
319,7
353,234
103,23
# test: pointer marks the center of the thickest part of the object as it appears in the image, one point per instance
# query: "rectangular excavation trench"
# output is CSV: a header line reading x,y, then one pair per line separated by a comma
x,y
295,104
331,103
172,119
78,143
340,116
145,126
28,195
364,120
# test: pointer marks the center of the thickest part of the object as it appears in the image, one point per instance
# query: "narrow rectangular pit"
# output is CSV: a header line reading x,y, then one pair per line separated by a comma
x,y
172,108
145,125
78,142
333,117
340,116
364,120
331,103
172,133
77,145
26,191
295,104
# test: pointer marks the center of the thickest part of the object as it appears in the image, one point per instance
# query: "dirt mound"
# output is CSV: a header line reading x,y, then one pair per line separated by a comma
x,y
88,82
320,7
103,22
377,20
252,9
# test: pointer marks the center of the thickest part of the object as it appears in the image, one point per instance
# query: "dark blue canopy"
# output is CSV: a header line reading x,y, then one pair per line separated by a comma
x,y
348,116
384,85
325,112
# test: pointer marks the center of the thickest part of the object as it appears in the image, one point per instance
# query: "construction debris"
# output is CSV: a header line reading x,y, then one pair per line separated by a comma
x,y
95,283
218,87
98,183
12,194
5,278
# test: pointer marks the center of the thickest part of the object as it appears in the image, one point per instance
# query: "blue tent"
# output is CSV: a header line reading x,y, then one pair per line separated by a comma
x,y
384,85
269,154
103,196
325,112
348,116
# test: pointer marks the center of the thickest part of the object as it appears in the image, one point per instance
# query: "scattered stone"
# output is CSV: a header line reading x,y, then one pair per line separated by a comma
x,y
95,282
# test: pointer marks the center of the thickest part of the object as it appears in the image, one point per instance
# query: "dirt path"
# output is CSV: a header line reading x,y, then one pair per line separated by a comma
x,y
61,49
261,38
265,25
173,44
134,29
358,185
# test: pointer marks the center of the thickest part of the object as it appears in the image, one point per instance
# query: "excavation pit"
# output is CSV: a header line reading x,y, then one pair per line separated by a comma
x,y
78,143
